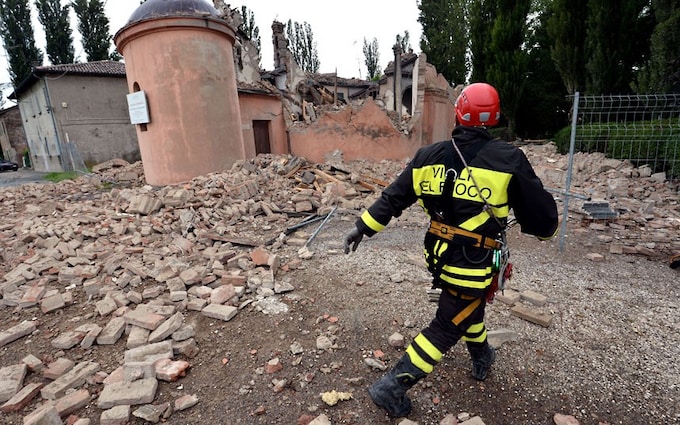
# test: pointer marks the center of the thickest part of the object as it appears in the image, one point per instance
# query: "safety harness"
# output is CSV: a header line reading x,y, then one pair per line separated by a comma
x,y
459,236
465,238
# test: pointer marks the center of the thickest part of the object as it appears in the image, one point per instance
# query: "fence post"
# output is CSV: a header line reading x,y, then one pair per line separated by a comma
x,y
572,142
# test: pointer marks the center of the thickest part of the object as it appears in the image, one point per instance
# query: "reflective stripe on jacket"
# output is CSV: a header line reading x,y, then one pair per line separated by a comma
x,y
505,179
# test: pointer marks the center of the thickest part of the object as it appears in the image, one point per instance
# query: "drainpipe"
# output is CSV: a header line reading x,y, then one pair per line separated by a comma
x,y
397,79
50,109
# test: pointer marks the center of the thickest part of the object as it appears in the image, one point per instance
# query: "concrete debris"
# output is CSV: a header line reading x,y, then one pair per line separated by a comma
x,y
11,380
145,257
16,332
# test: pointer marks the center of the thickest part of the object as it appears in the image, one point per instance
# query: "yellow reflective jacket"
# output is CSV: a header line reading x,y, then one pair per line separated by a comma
x,y
506,180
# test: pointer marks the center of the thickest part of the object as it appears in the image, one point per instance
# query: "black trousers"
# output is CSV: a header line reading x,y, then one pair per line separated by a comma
x,y
457,316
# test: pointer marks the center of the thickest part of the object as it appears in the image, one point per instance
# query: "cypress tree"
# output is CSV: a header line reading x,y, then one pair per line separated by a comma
x,y
542,107
482,14
17,35
661,73
93,26
302,45
616,44
508,61
445,39
567,28
55,20
372,58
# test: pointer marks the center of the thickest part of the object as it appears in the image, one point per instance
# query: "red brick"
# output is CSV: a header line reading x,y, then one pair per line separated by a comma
x,y
58,367
22,398
169,370
72,402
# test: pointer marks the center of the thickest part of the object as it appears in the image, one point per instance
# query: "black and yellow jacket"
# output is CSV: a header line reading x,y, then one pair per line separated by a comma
x,y
505,178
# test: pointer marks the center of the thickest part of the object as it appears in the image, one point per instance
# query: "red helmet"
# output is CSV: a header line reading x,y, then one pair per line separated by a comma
x,y
478,105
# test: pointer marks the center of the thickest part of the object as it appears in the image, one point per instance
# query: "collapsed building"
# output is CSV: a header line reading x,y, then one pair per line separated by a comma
x,y
212,119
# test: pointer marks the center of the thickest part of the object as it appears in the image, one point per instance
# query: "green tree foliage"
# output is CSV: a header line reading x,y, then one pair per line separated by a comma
x,y
543,106
251,30
482,14
567,28
93,26
372,58
616,44
58,35
444,37
661,74
508,60
17,35
302,45
405,42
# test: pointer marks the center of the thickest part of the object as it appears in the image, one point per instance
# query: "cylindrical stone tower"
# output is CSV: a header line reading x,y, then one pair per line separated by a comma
x,y
180,54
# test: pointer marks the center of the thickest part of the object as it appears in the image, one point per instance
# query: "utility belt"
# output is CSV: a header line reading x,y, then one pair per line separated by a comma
x,y
459,295
463,237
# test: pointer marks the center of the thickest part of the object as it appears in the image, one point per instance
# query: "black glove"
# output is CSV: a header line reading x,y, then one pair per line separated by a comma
x,y
353,239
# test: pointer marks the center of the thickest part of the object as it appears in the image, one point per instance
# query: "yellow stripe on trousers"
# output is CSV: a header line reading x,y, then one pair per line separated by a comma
x,y
429,349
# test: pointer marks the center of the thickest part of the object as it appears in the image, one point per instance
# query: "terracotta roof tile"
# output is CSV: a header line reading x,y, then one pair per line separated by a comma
x,y
104,68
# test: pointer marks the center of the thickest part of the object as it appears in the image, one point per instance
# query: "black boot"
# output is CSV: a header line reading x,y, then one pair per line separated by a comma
x,y
483,356
390,391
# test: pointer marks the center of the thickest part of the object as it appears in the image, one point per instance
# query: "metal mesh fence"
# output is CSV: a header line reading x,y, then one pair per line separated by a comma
x,y
644,129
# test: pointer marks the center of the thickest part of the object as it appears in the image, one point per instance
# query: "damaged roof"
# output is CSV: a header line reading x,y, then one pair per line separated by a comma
x,y
406,59
331,78
257,87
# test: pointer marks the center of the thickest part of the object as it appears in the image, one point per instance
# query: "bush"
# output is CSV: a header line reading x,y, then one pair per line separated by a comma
x,y
656,143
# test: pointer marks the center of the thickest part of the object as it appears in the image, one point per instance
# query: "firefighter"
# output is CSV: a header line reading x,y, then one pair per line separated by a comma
x,y
467,186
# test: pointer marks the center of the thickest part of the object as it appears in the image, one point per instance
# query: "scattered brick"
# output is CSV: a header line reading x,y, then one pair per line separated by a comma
x,y
220,312
22,398
117,415
531,315
137,337
112,331
68,339
16,332
141,391
186,402
34,364
169,370
149,353
32,296
44,415
534,298
73,378
222,294
166,328
188,348
106,306
52,303
72,402
11,380
58,367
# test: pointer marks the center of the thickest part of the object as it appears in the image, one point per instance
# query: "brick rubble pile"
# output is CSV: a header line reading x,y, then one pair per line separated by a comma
x,y
140,258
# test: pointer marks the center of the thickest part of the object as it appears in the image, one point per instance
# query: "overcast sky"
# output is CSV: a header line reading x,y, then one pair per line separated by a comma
x,y
339,29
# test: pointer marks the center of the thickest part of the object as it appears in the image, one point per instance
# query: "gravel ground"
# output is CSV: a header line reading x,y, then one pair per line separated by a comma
x,y
609,355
